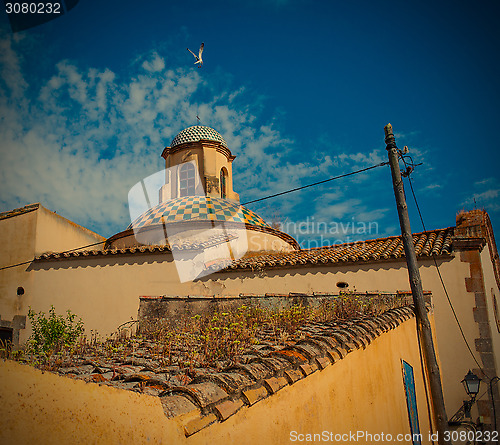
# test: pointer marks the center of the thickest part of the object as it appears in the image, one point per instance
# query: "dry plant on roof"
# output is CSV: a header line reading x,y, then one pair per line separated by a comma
x,y
218,339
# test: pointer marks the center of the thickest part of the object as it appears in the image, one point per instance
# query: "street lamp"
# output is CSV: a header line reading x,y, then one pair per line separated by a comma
x,y
471,384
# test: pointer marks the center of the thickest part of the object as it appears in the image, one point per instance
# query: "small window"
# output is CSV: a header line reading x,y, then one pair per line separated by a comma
x,y
342,284
223,183
187,179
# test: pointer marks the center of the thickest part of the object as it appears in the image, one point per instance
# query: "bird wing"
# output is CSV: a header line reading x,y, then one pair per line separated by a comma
x,y
192,53
201,50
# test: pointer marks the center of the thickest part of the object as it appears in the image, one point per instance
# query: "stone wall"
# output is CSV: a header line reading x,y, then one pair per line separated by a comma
x,y
172,309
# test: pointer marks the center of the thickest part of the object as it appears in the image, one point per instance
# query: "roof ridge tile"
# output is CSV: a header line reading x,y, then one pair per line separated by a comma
x,y
323,362
293,375
274,384
308,368
227,408
253,395
205,393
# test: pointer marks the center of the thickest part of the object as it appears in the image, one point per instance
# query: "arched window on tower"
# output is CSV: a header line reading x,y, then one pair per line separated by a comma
x,y
187,179
223,182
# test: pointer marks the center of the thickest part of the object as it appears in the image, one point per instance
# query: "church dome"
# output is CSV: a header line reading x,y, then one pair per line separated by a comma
x,y
198,133
198,208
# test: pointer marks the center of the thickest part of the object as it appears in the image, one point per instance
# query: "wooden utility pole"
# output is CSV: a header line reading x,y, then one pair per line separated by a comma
x,y
423,326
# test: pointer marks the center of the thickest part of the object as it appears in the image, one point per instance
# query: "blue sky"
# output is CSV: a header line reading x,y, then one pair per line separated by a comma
x,y
300,90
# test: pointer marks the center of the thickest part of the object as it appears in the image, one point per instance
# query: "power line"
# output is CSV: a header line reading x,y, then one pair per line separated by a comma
x,y
317,183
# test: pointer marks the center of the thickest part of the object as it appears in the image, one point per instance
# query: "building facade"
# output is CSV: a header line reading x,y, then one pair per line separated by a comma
x,y
104,284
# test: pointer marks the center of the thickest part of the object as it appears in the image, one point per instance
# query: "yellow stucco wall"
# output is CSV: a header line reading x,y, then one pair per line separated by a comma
x,y
213,162
104,292
491,288
17,238
209,162
55,233
22,238
43,408
363,392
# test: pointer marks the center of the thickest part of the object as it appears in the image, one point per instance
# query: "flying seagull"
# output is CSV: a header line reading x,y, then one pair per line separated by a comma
x,y
198,57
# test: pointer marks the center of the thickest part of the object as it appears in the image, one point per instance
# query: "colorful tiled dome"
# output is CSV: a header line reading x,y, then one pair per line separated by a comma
x,y
198,208
197,133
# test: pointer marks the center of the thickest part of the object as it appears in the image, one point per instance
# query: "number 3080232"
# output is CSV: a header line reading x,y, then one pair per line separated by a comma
x,y
33,8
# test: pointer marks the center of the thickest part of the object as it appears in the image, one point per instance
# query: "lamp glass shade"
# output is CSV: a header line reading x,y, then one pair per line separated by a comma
x,y
471,383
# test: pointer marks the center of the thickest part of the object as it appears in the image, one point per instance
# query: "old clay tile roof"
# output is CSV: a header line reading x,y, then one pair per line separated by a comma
x,y
98,252
213,241
215,396
427,244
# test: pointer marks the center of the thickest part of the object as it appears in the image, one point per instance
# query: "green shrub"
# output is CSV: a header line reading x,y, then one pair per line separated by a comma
x,y
52,333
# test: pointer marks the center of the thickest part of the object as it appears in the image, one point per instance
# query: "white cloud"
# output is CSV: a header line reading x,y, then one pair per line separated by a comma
x,y
10,73
156,64
486,196
485,182
402,136
86,138
432,187
336,211
371,215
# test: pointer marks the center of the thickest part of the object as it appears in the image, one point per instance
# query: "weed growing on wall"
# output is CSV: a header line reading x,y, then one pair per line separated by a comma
x,y
53,332
5,349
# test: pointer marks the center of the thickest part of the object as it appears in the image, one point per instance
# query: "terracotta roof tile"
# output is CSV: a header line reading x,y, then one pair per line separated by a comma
x,y
434,242
292,355
308,368
229,381
323,362
275,363
177,405
328,348
307,349
204,394
274,384
427,244
292,375
198,423
213,241
228,408
252,396
256,371
431,243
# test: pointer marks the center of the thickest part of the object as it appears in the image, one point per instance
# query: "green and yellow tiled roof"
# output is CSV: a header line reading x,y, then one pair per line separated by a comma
x,y
198,133
198,208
